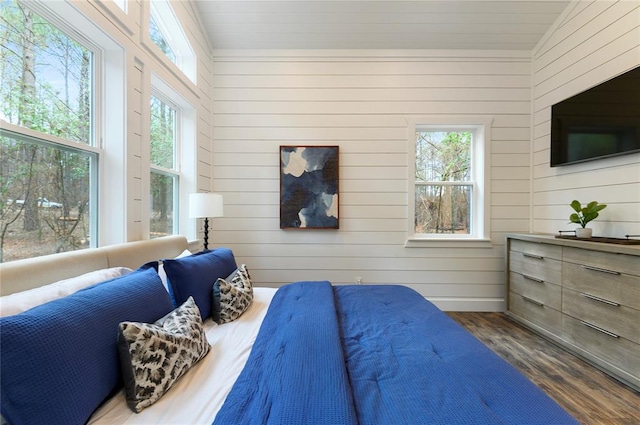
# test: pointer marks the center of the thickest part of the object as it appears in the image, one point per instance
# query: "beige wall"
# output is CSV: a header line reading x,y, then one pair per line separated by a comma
x,y
591,43
247,103
361,101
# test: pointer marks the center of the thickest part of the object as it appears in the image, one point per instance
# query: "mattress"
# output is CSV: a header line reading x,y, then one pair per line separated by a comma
x,y
369,355
312,353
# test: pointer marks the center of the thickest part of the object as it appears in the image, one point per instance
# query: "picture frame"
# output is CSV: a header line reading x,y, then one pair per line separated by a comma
x,y
309,187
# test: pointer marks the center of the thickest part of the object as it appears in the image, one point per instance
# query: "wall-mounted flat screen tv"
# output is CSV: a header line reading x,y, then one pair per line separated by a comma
x,y
601,122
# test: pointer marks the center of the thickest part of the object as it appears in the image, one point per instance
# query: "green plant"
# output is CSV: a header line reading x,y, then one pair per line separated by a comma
x,y
584,215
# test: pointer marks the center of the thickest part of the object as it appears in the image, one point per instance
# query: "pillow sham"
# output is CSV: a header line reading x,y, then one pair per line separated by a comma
x,y
163,274
194,276
59,360
234,295
23,301
154,356
215,301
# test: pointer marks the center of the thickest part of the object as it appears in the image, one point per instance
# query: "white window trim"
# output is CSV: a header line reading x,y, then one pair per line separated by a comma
x,y
108,133
118,11
185,155
174,34
481,225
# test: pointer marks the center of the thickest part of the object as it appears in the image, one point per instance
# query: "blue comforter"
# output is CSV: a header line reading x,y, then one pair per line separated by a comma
x,y
376,355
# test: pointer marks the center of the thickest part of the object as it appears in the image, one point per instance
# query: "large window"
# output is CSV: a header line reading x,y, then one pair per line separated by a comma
x,y
449,185
165,175
48,162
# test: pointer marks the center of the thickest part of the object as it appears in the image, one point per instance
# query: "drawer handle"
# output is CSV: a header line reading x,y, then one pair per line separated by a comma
x,y
535,279
602,300
537,257
599,329
532,301
598,269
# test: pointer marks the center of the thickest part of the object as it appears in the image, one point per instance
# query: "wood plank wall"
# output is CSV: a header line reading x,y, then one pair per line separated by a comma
x,y
360,100
143,62
591,43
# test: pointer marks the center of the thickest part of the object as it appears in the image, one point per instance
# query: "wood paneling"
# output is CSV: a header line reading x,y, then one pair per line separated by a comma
x,y
449,24
595,42
363,102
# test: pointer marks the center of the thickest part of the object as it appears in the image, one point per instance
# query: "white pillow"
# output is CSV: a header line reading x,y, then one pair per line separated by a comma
x,y
22,301
163,274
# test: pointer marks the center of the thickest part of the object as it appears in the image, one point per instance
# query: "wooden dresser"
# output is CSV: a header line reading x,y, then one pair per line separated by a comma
x,y
584,296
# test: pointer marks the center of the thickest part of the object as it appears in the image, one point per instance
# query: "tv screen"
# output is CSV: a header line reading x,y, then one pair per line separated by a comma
x,y
601,122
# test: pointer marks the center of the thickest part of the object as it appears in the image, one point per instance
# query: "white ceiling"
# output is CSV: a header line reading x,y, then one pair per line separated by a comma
x,y
377,24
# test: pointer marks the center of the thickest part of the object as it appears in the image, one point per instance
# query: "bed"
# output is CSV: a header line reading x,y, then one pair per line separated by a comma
x,y
306,353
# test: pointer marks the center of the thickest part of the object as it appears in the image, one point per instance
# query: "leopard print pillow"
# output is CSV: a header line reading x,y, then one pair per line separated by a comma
x,y
235,295
154,356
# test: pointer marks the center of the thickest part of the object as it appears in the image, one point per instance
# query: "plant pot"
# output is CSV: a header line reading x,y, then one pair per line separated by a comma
x,y
583,232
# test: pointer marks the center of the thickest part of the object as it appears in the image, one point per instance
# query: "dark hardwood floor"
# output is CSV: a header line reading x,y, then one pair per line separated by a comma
x,y
590,395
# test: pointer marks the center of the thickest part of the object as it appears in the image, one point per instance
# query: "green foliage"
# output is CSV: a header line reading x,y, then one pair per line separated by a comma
x,y
159,40
443,157
54,100
46,86
163,133
584,215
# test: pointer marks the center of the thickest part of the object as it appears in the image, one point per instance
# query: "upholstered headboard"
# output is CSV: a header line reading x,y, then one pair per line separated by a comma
x,y
20,275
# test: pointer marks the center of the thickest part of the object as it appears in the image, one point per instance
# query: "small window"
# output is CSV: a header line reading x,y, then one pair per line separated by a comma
x,y
158,39
448,186
166,32
165,176
444,185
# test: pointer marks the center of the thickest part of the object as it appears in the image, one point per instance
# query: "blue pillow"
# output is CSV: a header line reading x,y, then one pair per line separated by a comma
x,y
194,276
59,361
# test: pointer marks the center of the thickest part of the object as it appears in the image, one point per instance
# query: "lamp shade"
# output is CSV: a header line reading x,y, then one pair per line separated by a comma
x,y
202,205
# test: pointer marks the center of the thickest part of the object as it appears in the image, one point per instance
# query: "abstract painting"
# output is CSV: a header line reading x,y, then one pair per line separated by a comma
x,y
309,187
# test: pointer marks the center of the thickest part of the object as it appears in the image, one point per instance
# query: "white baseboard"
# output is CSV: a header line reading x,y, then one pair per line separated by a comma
x,y
469,304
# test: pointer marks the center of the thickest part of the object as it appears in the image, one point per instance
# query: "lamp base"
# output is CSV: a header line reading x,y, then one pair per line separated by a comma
x,y
206,233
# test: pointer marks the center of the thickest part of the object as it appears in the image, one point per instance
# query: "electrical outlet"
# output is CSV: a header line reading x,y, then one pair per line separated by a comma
x,y
359,280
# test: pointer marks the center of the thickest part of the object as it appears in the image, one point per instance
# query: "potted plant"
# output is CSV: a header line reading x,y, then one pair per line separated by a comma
x,y
584,215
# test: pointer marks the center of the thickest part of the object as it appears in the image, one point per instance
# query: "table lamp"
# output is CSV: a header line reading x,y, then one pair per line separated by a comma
x,y
205,205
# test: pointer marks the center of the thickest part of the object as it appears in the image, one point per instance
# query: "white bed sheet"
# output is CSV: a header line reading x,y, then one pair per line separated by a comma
x,y
199,394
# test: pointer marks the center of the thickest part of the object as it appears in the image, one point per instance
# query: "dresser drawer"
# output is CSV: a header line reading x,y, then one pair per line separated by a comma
x,y
617,263
546,293
618,287
536,249
536,267
611,316
620,352
535,312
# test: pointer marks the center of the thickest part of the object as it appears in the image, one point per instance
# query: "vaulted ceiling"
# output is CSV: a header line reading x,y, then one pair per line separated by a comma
x,y
378,24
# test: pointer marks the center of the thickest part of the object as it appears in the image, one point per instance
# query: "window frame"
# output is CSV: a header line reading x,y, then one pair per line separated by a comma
x,y
173,33
480,127
93,149
185,155
108,133
176,172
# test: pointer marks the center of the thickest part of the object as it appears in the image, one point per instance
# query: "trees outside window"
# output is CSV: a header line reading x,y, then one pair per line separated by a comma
x,y
444,187
164,171
166,33
47,158
450,185
155,34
